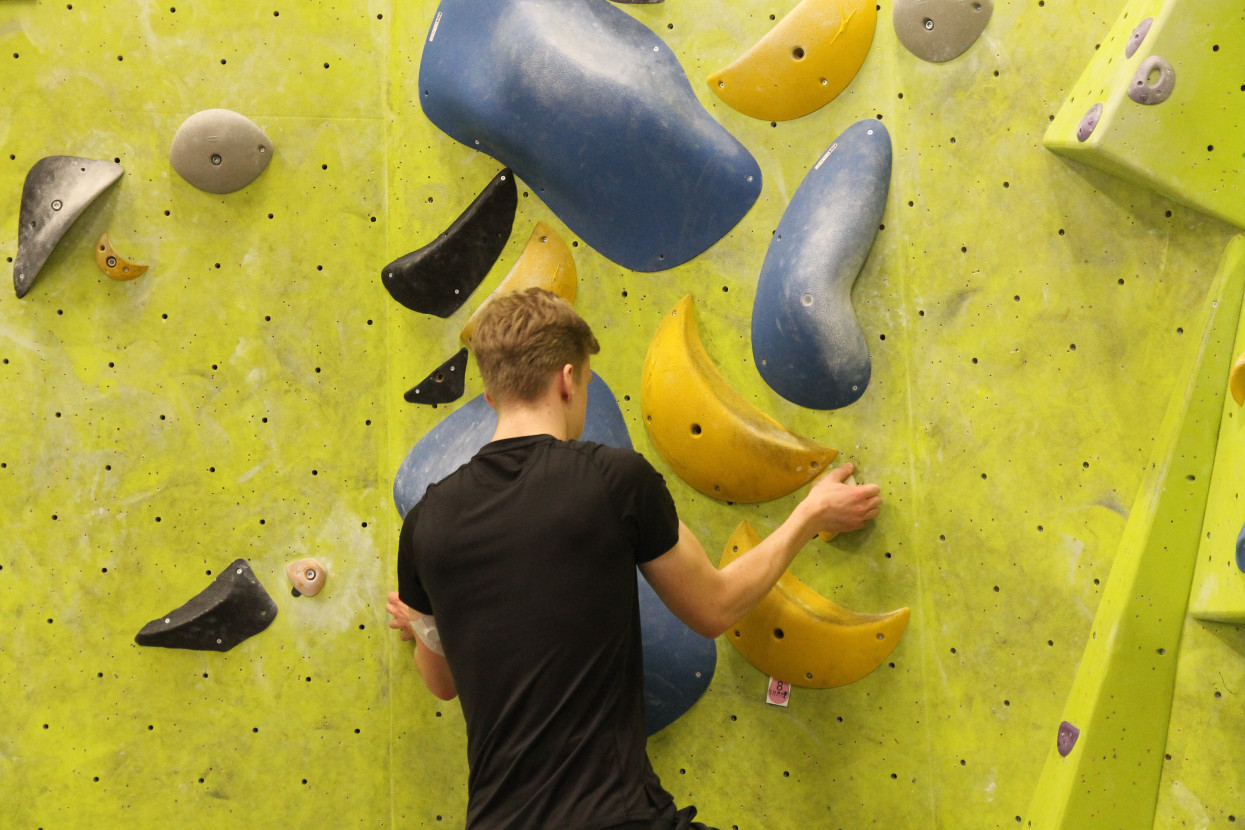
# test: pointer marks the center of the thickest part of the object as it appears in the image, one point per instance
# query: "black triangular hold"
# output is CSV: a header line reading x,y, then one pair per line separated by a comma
x,y
438,278
444,385
234,607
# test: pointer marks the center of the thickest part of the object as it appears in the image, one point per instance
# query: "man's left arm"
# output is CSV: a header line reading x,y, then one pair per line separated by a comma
x,y
433,667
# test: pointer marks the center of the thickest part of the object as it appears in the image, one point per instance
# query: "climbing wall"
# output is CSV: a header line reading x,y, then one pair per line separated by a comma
x,y
1029,318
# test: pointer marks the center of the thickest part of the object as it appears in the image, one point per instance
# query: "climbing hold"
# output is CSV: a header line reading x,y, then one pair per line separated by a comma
x,y
444,385
1236,381
545,263
1240,549
802,63
678,662
1154,81
437,278
939,30
1138,35
113,264
1067,738
56,191
219,151
1089,123
712,436
234,607
453,442
595,113
797,635
806,341
307,576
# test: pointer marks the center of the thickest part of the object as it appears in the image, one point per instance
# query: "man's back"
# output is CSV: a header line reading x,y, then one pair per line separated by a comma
x,y
526,557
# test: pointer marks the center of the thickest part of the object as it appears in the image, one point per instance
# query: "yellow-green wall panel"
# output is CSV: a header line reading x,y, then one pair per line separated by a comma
x,y
981,423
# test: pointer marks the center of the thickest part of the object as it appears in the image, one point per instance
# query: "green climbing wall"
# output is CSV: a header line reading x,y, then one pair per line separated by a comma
x,y
1030,319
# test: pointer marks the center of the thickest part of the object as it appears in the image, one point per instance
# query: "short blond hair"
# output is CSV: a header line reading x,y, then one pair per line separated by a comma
x,y
523,337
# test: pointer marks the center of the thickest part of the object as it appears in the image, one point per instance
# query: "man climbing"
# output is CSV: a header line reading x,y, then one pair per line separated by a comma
x,y
516,575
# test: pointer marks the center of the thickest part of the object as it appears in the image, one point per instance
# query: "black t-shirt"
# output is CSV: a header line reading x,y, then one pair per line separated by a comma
x,y
527,556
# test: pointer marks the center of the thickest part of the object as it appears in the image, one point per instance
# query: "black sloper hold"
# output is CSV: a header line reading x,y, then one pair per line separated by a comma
x,y
444,385
234,607
438,278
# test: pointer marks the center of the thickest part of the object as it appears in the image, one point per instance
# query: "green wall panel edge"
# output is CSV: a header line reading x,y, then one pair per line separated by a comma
x,y
1218,584
1121,696
1190,146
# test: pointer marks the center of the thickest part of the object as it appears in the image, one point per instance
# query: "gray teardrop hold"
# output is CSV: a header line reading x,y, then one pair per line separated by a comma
x,y
219,151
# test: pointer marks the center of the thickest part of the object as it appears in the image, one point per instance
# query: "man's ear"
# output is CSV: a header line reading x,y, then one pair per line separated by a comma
x,y
488,399
566,381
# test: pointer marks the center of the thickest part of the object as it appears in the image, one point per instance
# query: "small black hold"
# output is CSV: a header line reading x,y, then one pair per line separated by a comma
x,y
233,608
444,385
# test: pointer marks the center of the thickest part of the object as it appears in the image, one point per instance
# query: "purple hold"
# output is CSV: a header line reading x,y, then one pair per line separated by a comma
x,y
1089,122
1067,738
1138,35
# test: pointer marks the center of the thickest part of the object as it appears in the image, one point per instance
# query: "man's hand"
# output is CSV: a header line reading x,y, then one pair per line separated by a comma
x,y
838,507
402,615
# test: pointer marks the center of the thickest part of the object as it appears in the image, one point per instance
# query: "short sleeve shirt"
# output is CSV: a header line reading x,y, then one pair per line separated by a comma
x,y
527,558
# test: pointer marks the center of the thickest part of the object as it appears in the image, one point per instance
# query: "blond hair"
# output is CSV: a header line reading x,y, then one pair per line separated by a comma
x,y
523,337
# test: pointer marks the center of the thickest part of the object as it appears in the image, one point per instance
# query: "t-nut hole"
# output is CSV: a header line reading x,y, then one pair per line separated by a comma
x,y
695,429
438,377
778,635
798,53
216,159
807,300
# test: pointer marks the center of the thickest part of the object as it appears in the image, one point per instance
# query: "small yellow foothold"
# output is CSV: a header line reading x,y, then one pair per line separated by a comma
x,y
546,262
307,576
113,264
797,635
1236,381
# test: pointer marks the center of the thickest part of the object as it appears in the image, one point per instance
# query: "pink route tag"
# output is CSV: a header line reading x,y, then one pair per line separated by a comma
x,y
779,692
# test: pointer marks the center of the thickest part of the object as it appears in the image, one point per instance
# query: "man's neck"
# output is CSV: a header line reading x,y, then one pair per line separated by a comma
x,y
519,421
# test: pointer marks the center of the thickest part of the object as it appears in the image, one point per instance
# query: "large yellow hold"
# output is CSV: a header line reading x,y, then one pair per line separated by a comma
x,y
796,635
708,432
545,263
803,63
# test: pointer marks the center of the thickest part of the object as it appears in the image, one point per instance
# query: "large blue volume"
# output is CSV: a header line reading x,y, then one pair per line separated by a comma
x,y
678,662
806,341
592,110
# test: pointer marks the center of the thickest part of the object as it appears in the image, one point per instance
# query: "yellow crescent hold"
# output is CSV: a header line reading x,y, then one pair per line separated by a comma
x,y
546,262
797,635
802,63
113,264
1236,381
711,436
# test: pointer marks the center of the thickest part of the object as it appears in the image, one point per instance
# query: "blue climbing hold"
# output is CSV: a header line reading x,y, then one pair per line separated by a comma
x,y
1240,549
806,341
593,111
678,662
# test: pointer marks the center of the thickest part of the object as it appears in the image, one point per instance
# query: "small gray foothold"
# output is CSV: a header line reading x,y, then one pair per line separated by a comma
x,y
939,30
1067,738
1144,89
1138,35
1089,122
219,151
56,191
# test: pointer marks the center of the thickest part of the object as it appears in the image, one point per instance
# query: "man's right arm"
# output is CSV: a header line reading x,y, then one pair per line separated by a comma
x,y
710,600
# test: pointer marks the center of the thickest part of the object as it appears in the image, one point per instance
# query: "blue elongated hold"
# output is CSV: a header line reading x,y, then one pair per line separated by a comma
x,y
591,109
806,341
678,662
1240,549
444,385
439,277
